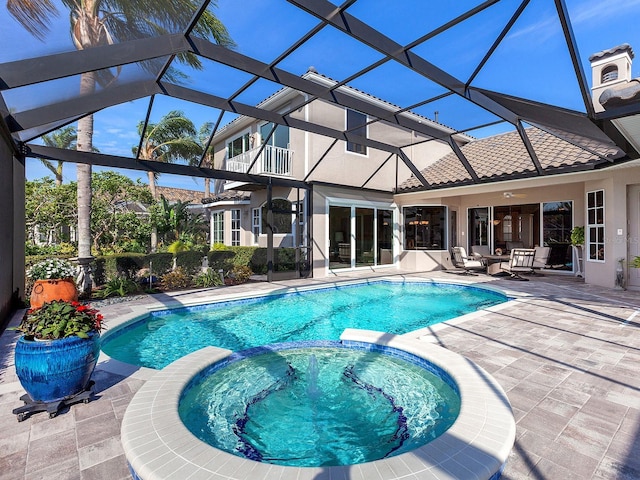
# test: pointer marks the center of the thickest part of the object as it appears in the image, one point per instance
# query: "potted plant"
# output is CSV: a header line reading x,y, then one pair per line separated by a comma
x,y
58,350
53,281
577,244
577,236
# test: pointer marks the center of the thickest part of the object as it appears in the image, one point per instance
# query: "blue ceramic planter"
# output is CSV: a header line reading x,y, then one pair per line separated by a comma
x,y
53,370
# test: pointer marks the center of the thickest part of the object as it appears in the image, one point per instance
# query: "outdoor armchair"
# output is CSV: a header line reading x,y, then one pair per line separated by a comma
x,y
520,261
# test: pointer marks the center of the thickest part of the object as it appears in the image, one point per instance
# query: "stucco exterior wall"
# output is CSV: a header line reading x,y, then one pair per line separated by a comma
x,y
341,166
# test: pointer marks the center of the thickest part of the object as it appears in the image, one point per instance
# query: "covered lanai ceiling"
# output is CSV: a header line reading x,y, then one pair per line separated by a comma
x,y
461,68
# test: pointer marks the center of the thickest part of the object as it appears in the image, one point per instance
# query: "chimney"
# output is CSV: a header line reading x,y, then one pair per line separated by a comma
x,y
609,68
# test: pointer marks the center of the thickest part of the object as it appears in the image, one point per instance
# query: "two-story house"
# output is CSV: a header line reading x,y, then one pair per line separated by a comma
x,y
351,227
365,207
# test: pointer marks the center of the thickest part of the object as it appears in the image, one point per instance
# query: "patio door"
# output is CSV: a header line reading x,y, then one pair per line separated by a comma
x,y
360,237
478,227
633,244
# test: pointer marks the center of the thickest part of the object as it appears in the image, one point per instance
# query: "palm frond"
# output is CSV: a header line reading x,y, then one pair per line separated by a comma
x,y
33,15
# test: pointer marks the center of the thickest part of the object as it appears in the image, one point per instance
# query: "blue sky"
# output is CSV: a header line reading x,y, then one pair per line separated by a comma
x,y
531,62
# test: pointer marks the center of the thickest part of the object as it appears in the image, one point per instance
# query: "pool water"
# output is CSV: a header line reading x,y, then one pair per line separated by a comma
x,y
323,314
319,407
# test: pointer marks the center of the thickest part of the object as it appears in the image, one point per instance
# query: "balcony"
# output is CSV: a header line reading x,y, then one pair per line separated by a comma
x,y
272,161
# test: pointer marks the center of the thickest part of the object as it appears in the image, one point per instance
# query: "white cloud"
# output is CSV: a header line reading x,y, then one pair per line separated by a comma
x,y
599,11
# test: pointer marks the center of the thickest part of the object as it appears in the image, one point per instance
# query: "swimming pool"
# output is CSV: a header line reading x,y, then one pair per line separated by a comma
x,y
320,314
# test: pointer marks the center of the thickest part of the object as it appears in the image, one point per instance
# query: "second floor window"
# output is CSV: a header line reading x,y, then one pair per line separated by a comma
x,y
280,137
357,125
238,146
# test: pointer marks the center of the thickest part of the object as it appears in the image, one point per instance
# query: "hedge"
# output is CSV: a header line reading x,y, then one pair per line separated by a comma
x,y
253,257
124,265
161,263
190,261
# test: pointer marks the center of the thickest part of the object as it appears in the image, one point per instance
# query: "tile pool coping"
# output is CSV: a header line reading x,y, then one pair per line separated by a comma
x,y
158,446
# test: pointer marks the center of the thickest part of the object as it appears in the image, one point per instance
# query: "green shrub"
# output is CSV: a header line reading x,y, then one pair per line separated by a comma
x,y
191,261
240,273
177,246
60,249
253,257
175,280
161,263
284,259
120,286
221,260
124,265
207,279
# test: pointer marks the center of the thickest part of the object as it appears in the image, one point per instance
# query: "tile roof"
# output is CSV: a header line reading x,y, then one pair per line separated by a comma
x,y
174,195
621,94
232,195
504,156
612,51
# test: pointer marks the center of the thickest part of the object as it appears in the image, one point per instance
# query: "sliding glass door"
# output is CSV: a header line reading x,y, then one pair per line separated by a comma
x,y
360,237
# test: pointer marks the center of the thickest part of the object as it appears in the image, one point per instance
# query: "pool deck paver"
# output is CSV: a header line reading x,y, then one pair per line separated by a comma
x,y
567,354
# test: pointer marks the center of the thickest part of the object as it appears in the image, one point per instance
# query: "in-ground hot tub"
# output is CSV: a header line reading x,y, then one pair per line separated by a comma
x,y
158,444
320,403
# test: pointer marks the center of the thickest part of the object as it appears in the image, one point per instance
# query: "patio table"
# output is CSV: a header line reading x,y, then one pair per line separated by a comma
x,y
493,263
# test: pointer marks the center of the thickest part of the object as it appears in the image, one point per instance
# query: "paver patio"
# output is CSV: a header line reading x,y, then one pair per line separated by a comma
x,y
566,353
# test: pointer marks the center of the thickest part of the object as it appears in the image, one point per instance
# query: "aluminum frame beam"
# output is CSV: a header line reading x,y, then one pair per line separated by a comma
x,y
113,161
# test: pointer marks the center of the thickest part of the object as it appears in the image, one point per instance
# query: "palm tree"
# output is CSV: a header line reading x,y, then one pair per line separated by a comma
x,y
62,138
172,138
98,23
207,161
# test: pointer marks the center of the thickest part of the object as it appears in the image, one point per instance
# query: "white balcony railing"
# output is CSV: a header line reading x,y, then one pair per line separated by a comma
x,y
272,161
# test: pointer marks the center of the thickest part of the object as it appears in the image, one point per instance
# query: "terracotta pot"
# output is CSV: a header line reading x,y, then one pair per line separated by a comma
x,y
53,289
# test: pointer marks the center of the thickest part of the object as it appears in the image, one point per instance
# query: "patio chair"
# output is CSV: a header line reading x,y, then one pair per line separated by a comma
x,y
478,252
540,259
520,261
460,259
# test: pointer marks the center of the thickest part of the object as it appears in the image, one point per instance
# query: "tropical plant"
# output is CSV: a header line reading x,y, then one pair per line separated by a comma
x,y
62,138
204,137
207,279
177,246
51,268
120,286
240,273
60,319
98,23
173,138
577,236
174,280
175,222
170,140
